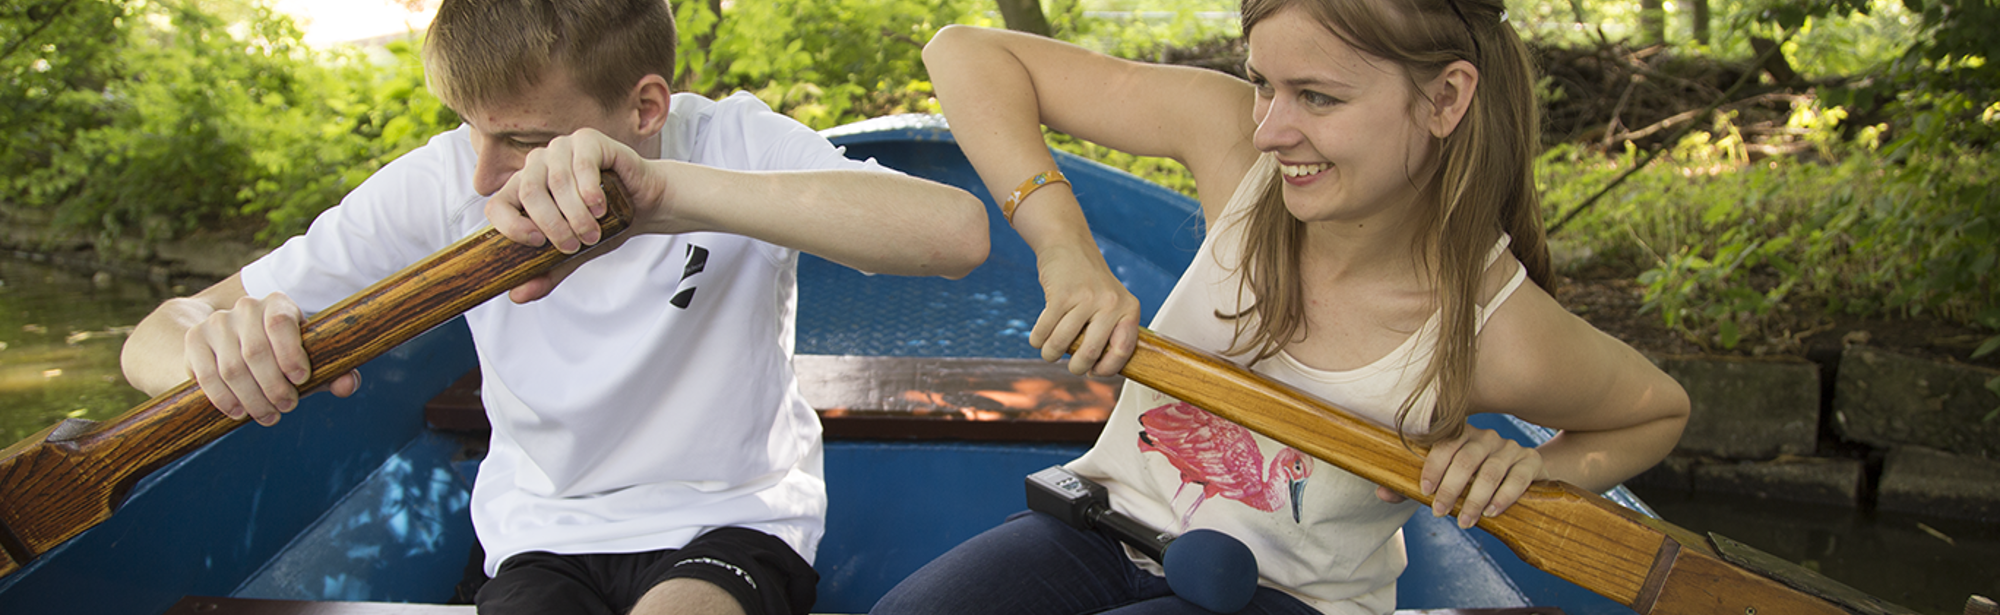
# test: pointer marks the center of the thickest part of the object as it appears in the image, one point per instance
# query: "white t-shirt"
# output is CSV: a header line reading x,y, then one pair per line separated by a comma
x,y
651,396
1177,467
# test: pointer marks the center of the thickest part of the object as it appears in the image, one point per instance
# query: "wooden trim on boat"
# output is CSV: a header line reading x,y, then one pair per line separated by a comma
x,y
210,605
905,398
205,605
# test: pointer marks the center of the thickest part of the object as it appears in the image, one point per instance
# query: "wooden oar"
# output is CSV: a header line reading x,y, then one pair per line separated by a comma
x,y
72,476
1650,565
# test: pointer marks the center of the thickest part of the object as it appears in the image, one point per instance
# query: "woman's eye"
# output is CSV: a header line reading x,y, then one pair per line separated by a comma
x,y
1317,99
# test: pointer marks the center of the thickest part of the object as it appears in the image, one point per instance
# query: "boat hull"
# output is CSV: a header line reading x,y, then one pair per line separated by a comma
x,y
359,499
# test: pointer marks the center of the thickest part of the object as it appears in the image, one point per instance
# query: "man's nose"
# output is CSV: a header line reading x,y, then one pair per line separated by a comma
x,y
493,171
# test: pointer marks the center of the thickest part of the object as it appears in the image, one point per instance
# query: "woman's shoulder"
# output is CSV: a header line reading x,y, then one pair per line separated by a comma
x,y
1539,361
1516,313
1504,275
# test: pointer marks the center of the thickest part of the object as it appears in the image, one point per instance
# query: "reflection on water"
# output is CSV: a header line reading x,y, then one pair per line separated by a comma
x,y
1927,564
60,333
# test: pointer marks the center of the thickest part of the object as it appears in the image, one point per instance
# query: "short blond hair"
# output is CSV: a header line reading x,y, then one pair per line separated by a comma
x,y
481,51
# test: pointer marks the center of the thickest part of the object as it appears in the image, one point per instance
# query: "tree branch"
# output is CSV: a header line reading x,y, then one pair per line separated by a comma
x,y
1742,80
39,27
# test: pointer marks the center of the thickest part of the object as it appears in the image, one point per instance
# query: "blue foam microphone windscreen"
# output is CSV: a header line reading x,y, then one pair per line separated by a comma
x,y
1211,570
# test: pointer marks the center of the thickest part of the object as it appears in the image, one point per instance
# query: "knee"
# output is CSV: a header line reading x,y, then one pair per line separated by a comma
x,y
687,595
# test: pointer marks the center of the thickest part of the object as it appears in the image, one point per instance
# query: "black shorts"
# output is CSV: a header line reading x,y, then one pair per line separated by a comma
x,y
763,573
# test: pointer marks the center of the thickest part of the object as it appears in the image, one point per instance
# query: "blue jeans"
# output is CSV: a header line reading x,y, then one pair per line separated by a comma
x,y
1036,564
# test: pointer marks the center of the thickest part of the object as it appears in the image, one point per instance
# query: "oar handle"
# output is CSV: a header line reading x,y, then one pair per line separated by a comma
x,y
1981,605
1278,411
1653,566
72,476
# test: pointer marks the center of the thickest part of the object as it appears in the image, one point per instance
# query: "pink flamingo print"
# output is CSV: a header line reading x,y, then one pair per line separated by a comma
x,y
1223,458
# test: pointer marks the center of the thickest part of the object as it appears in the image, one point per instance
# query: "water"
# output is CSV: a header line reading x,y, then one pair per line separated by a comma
x,y
60,334
1927,564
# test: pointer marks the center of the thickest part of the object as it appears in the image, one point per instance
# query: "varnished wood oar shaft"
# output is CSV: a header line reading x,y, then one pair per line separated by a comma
x,y
1647,564
74,475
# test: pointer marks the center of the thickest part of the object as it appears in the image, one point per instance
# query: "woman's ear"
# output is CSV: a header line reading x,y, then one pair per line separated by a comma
x,y
1451,95
651,98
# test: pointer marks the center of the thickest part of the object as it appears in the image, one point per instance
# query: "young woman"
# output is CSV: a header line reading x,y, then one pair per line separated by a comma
x,y
1374,238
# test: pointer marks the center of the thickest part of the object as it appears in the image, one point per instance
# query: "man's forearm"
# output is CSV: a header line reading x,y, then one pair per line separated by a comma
x,y
154,356
874,222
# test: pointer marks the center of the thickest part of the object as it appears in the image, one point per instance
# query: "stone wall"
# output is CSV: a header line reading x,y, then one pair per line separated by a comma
x,y
1889,431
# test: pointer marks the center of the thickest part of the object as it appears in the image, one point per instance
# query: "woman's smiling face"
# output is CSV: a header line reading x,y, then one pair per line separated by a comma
x,y
1339,122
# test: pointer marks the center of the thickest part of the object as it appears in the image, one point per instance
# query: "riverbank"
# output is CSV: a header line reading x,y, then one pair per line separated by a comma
x,y
174,266
1861,413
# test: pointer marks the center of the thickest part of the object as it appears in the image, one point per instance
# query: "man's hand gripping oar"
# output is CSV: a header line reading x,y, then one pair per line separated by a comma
x,y
72,476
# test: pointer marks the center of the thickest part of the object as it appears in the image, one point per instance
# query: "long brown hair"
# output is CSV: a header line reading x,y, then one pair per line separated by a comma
x,y
480,51
1484,185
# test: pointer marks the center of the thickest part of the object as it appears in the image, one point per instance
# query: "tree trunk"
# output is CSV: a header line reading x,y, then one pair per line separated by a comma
x,y
1699,14
1652,22
1024,16
1774,61
706,39
693,63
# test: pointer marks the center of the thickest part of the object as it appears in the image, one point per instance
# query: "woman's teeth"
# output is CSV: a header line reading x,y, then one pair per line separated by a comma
x,y
1303,170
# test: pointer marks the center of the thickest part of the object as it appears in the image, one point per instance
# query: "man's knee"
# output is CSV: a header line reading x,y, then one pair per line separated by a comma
x,y
762,573
688,595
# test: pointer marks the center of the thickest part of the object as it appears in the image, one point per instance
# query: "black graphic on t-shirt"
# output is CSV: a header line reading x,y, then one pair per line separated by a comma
x,y
697,260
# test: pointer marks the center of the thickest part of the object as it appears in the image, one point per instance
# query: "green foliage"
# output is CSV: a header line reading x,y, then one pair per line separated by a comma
x,y
1835,40
53,69
1958,29
1941,81
1858,43
1143,31
167,117
1162,171
165,147
1736,249
824,62
372,113
830,62
1140,30
149,118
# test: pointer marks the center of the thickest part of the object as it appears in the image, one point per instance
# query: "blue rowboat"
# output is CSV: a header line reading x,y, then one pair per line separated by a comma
x,y
934,406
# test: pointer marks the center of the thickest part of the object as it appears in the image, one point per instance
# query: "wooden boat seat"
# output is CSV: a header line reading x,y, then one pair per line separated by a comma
x,y
211,605
206,605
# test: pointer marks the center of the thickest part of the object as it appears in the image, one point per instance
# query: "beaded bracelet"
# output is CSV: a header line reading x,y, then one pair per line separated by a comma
x,y
1026,188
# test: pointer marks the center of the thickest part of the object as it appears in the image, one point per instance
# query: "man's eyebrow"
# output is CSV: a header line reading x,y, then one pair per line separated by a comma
x,y
527,135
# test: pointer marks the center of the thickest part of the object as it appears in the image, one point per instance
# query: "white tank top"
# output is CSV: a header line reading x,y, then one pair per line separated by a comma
x,y
1177,467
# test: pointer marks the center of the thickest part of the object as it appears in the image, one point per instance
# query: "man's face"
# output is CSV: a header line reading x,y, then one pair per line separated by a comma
x,y
505,130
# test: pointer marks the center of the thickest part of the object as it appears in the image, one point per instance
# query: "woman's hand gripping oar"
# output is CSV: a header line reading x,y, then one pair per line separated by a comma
x,y
1650,565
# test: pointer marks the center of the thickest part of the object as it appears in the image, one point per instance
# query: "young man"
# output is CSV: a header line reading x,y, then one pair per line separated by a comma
x,y
650,449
